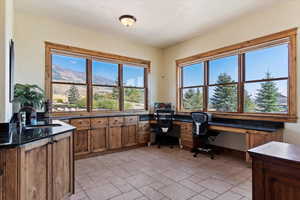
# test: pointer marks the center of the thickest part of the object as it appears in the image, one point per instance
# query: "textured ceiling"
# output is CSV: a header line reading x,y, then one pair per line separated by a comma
x,y
160,23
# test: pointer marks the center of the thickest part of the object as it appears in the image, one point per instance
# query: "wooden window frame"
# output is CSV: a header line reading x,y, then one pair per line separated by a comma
x,y
192,87
240,49
90,55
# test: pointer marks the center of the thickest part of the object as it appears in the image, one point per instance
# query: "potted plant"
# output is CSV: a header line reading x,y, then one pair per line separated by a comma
x,y
30,98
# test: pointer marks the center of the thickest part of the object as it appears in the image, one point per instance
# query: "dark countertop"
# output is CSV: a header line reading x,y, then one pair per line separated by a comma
x,y
99,115
17,137
279,150
267,126
234,123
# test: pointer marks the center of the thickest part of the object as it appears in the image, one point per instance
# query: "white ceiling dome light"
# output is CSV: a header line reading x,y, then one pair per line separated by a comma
x,y
127,20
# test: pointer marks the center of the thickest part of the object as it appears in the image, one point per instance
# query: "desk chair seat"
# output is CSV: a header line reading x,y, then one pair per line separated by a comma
x,y
200,131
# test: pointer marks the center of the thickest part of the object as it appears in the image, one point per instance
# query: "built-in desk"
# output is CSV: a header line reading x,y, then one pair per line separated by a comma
x,y
256,132
253,138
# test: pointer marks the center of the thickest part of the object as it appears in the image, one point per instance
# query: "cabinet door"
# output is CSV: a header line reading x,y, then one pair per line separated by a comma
x,y
2,175
129,135
81,140
35,176
63,166
99,139
115,137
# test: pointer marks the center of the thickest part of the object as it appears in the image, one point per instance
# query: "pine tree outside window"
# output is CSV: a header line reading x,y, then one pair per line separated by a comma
x,y
223,76
255,79
192,87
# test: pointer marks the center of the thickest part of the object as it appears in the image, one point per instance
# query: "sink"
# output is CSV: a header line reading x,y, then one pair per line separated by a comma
x,y
42,126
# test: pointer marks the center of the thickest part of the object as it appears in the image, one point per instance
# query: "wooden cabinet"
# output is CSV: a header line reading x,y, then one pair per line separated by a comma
x,y
62,166
100,134
129,131
46,169
129,135
81,140
115,137
2,162
143,132
9,174
276,171
35,173
99,139
81,136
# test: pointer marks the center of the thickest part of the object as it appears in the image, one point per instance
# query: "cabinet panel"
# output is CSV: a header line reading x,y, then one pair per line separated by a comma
x,y
81,139
35,162
99,122
2,175
131,120
62,156
81,124
115,137
116,121
99,139
129,135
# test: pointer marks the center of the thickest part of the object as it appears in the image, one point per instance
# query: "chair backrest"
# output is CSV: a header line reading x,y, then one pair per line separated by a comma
x,y
164,118
200,123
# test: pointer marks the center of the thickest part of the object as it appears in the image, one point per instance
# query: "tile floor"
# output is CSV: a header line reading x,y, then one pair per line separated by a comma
x,y
161,174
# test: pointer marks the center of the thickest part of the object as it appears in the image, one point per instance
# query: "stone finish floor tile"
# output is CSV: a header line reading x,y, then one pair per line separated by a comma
x,y
150,173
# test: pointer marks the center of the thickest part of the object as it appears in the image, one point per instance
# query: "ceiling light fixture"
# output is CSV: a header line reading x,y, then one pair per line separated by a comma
x,y
127,20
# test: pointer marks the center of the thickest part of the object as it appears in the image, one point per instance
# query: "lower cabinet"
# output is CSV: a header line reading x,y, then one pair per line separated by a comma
x,y
99,139
129,135
95,135
115,137
2,162
81,140
46,169
63,166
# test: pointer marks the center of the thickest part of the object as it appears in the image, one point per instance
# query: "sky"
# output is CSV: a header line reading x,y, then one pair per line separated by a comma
x,y
257,63
132,75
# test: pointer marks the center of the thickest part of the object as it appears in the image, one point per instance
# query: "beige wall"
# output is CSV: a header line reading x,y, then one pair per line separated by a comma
x,y
278,18
6,33
32,31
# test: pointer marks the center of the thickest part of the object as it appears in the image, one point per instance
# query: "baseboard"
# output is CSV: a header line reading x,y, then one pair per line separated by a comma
x,y
93,154
232,152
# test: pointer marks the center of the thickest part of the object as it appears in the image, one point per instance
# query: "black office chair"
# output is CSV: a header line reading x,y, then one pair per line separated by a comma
x,y
166,132
200,130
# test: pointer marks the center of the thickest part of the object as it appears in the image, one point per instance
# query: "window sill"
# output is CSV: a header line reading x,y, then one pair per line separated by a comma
x,y
99,113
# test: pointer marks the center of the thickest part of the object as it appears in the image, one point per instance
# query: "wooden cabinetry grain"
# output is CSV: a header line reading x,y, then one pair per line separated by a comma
x,y
99,139
62,166
115,137
46,169
129,135
35,175
276,171
81,139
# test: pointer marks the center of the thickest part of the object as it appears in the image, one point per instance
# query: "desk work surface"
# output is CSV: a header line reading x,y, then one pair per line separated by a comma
x,y
265,126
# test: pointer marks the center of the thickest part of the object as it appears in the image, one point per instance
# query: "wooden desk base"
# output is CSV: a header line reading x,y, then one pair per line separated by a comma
x,y
253,138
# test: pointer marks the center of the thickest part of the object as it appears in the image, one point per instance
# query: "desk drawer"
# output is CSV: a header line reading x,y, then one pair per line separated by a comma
x,y
131,120
116,121
81,124
99,122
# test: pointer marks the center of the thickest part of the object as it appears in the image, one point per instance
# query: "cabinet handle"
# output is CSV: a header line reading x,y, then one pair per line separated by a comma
x,y
1,172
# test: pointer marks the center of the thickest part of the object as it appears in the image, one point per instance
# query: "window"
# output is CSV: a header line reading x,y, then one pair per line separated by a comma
x,y
222,87
251,80
105,85
134,87
86,81
192,87
266,80
69,83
